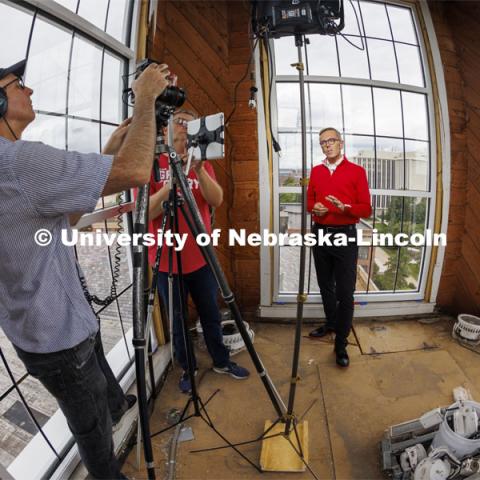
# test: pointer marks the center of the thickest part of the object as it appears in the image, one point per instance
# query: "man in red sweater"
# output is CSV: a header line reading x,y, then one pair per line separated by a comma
x,y
338,196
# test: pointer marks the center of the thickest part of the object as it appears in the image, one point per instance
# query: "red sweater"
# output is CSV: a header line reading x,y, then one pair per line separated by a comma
x,y
349,184
192,258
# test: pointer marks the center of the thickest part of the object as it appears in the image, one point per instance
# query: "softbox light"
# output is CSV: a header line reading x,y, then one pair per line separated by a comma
x,y
280,18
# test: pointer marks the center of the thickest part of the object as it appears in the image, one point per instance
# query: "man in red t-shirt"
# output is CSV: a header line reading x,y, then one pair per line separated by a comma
x,y
198,278
338,196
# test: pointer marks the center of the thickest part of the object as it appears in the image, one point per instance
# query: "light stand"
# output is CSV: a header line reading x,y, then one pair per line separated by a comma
x,y
289,418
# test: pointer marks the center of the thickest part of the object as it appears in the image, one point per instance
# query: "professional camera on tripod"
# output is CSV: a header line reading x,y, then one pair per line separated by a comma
x,y
202,133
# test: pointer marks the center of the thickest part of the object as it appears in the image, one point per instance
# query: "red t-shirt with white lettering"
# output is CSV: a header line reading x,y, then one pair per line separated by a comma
x,y
192,258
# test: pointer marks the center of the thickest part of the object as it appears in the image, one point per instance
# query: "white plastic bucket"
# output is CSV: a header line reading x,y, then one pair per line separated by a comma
x,y
458,445
467,327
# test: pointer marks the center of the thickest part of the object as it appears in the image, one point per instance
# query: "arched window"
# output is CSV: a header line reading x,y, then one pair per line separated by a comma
x,y
372,83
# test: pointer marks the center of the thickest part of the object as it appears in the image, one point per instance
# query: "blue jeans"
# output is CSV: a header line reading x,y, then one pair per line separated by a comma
x,y
202,287
89,396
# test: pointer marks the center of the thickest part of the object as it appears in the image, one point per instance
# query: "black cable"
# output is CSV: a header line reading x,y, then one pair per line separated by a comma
x,y
115,271
359,31
10,128
275,144
227,132
240,81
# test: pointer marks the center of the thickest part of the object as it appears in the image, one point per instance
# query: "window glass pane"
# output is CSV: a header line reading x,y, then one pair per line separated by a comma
x,y
315,151
409,65
47,129
290,162
95,11
83,136
288,105
117,19
285,55
364,262
325,104
290,270
417,165
353,20
16,25
358,113
110,318
106,131
382,60
95,264
115,198
48,66
70,4
388,112
291,213
16,425
390,165
353,62
322,56
402,24
415,115
415,215
84,92
360,150
375,20
409,264
384,268
112,89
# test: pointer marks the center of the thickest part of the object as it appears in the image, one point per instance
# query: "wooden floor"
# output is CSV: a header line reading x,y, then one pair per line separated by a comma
x,y
398,371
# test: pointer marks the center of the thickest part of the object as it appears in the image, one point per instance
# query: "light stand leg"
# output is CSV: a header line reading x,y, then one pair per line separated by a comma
x,y
196,226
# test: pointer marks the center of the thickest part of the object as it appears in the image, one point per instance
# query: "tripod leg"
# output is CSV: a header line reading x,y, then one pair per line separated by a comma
x,y
139,260
150,307
196,226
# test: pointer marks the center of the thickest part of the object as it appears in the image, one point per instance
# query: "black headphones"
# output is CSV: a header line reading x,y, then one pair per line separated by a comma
x,y
3,102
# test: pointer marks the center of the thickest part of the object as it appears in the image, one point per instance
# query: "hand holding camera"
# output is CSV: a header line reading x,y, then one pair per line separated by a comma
x,y
152,81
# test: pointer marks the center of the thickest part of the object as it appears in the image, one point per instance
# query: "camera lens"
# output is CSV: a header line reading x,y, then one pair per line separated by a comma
x,y
173,96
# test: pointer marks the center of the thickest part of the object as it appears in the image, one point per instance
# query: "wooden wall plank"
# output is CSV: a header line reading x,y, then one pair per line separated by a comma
x,y
456,25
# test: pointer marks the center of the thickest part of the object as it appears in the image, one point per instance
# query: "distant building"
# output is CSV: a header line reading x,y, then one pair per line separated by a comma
x,y
391,171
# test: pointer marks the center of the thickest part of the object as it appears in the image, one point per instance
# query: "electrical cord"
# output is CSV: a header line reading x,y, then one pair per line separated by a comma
x,y
276,145
115,271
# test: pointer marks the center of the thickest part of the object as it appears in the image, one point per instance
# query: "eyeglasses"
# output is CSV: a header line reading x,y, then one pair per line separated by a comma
x,y
19,80
329,142
180,121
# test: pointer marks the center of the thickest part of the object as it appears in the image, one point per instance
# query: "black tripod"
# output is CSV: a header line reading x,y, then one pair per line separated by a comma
x,y
196,227
172,206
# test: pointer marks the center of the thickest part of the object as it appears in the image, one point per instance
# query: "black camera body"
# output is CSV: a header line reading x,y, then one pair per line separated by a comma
x,y
171,96
170,99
